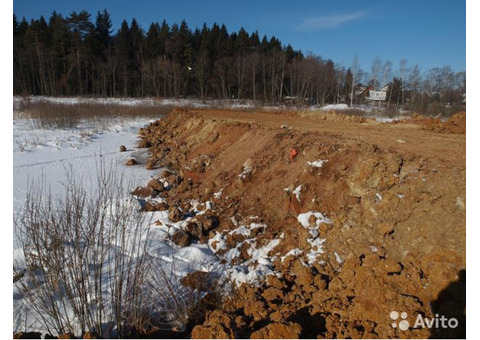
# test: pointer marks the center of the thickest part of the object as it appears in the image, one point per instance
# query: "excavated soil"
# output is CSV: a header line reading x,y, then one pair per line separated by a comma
x,y
395,194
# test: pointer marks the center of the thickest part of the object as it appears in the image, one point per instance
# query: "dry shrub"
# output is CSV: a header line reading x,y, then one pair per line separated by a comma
x,y
51,115
86,266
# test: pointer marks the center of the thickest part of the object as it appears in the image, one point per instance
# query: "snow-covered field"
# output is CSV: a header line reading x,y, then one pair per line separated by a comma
x,y
50,156
195,103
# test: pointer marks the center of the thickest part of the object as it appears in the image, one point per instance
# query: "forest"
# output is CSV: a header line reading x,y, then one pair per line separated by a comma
x,y
79,56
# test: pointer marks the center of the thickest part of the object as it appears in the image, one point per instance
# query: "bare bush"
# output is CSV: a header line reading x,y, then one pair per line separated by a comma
x,y
86,266
51,115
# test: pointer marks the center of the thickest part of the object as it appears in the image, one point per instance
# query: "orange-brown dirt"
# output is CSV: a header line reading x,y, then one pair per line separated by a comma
x,y
395,194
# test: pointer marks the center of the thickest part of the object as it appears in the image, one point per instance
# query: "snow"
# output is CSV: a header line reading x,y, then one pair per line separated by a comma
x,y
297,192
338,258
315,241
257,266
49,156
335,107
319,218
293,252
218,194
369,111
318,163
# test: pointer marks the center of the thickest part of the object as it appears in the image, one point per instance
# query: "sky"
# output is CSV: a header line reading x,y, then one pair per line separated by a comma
x,y
430,33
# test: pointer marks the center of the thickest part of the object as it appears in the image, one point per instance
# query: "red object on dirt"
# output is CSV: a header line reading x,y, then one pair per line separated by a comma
x,y
293,154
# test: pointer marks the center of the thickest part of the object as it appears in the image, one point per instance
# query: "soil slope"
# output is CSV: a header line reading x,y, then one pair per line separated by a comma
x,y
395,195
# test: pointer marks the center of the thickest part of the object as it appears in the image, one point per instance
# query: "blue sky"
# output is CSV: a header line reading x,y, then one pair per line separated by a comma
x,y
430,33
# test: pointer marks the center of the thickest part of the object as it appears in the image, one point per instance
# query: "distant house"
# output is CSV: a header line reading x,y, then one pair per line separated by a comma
x,y
377,96
361,91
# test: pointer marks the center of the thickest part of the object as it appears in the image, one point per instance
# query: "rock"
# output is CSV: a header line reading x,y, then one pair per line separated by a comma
x,y
248,164
195,229
274,281
184,186
217,326
181,238
209,224
143,144
162,206
303,275
290,330
123,148
165,174
156,184
150,164
198,280
143,192
257,309
174,214
131,162
272,293
153,206
186,206
319,282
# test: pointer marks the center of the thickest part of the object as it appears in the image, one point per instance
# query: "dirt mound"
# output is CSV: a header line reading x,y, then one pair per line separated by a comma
x,y
333,116
371,218
455,124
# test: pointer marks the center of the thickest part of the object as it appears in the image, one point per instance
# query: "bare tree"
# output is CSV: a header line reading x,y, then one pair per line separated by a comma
x,y
355,68
414,83
386,74
403,69
376,69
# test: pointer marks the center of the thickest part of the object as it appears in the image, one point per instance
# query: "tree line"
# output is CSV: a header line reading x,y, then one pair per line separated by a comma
x,y
77,56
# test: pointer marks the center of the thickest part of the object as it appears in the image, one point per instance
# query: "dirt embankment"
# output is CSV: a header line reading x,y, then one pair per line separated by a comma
x,y
395,195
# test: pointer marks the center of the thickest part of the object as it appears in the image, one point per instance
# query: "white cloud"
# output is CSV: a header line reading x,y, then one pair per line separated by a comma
x,y
329,21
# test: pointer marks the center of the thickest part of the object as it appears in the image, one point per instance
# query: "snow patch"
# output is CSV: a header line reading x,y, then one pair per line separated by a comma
x,y
315,241
297,192
318,163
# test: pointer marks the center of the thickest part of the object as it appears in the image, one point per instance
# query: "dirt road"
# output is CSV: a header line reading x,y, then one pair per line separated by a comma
x,y
408,138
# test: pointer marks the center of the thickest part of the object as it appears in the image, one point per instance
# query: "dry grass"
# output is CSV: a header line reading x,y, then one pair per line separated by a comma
x,y
87,266
51,115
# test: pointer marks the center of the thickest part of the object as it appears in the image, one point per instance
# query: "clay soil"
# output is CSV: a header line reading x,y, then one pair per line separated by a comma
x,y
395,193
